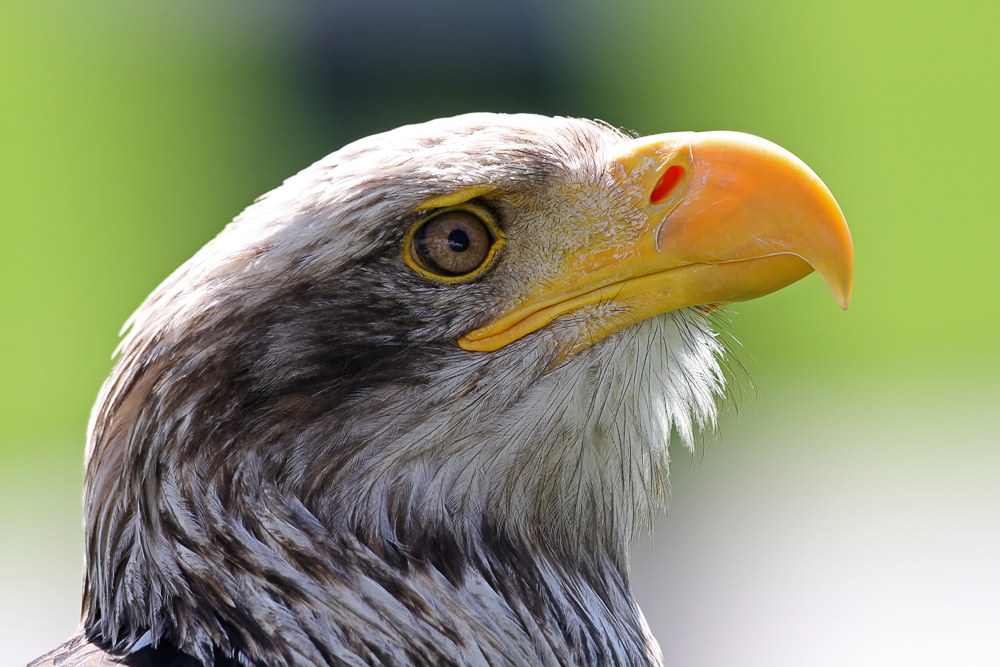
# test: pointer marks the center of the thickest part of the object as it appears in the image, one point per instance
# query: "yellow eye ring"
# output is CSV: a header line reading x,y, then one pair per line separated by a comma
x,y
453,244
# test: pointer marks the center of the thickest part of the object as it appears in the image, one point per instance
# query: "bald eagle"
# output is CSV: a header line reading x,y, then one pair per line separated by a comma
x,y
411,407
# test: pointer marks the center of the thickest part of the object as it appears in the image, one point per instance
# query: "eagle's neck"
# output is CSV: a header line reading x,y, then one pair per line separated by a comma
x,y
482,528
280,590
494,602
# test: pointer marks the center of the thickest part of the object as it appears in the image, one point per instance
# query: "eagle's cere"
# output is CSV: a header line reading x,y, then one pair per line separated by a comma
x,y
410,407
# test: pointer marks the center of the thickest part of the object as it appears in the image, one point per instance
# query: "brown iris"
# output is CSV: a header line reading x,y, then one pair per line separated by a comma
x,y
454,243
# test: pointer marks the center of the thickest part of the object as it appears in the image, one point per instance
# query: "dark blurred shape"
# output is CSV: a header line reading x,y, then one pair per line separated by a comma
x,y
378,64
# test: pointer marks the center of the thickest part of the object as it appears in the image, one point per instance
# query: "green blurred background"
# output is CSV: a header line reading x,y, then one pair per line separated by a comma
x,y
846,512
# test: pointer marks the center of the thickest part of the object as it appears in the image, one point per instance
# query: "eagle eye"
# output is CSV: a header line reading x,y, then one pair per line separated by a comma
x,y
453,243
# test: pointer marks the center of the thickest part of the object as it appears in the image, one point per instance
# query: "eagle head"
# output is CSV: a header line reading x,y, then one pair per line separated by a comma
x,y
411,406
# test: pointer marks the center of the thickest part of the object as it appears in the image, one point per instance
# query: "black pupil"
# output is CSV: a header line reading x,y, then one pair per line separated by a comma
x,y
458,240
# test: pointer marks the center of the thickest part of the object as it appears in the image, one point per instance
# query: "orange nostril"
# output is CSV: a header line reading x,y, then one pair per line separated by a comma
x,y
671,177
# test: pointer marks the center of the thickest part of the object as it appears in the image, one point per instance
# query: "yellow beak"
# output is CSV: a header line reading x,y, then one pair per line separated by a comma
x,y
723,217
